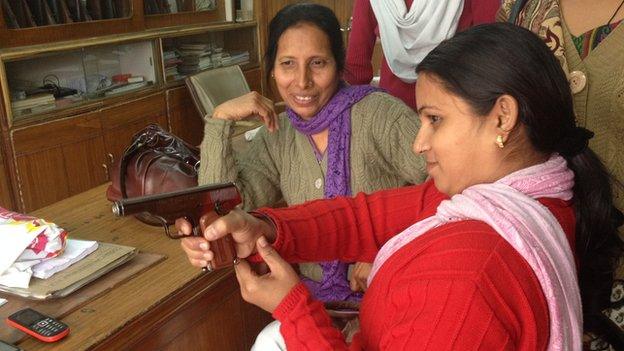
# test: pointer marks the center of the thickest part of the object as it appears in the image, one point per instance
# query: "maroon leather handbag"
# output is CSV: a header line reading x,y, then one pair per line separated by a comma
x,y
155,162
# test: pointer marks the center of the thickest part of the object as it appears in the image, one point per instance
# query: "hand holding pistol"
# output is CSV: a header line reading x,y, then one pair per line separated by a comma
x,y
191,204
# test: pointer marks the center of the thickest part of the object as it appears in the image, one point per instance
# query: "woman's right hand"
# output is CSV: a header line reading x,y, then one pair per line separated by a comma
x,y
245,230
249,105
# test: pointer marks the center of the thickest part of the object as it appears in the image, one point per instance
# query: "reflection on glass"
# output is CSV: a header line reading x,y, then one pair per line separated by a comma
x,y
156,7
55,81
39,13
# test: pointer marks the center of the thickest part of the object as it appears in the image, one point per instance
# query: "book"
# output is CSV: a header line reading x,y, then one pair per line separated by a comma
x,y
104,259
33,100
125,87
135,79
33,109
229,10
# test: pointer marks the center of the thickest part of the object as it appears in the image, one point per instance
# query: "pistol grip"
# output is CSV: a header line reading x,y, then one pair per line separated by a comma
x,y
224,253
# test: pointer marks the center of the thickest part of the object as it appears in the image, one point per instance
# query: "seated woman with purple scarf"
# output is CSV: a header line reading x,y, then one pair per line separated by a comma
x,y
333,140
509,246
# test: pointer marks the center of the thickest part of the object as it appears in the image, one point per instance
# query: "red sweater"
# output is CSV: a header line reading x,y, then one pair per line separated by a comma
x,y
364,33
458,287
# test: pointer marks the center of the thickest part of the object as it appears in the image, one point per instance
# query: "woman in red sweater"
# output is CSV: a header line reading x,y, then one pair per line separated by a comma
x,y
482,256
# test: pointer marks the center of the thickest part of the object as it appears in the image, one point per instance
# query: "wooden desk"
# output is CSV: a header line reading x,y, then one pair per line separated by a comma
x,y
170,306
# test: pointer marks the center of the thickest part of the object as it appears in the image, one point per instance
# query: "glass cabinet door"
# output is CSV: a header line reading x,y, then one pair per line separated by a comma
x,y
20,14
46,83
190,54
115,69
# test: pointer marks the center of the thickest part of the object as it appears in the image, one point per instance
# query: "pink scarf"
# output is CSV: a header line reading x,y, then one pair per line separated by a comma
x,y
509,206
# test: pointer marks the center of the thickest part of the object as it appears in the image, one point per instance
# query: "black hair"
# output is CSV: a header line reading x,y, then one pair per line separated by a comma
x,y
295,14
483,63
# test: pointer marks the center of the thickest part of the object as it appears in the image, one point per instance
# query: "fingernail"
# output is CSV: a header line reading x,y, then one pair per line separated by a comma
x,y
263,242
203,246
211,233
208,256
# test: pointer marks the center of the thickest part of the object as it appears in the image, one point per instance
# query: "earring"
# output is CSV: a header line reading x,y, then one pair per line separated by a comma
x,y
272,75
500,142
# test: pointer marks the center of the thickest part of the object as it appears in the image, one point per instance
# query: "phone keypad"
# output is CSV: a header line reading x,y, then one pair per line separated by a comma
x,y
48,327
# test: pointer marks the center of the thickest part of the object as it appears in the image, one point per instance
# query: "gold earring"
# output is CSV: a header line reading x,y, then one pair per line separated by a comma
x,y
500,142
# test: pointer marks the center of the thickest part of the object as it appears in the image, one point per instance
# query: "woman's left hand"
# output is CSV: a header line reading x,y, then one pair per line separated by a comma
x,y
268,290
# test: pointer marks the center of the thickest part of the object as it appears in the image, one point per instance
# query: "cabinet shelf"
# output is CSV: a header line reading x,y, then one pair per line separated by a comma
x,y
187,54
48,82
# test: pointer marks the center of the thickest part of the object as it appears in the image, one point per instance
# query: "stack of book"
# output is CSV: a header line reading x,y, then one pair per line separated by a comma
x,y
171,60
194,57
235,58
123,87
33,104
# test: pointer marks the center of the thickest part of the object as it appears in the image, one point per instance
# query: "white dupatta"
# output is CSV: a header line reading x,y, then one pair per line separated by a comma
x,y
407,36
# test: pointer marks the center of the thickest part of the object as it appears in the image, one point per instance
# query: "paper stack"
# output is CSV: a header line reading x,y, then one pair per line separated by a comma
x,y
75,251
33,104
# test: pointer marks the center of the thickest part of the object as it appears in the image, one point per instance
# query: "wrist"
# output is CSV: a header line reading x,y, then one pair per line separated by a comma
x,y
218,114
267,226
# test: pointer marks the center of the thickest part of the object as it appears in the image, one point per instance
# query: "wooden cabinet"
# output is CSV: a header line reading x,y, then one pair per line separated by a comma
x,y
6,194
121,122
254,79
65,157
71,29
57,146
186,122
58,159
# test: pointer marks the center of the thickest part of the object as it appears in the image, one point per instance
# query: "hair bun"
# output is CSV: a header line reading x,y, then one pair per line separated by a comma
x,y
575,142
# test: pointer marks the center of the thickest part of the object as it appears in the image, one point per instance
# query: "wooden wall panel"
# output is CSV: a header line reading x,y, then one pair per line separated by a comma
x,y
186,122
120,123
85,164
42,178
254,79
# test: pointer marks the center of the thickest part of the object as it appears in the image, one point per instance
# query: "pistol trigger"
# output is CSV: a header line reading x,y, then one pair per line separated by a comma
x,y
165,226
219,209
194,225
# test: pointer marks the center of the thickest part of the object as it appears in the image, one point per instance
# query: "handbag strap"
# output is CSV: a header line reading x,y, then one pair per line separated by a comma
x,y
123,165
139,141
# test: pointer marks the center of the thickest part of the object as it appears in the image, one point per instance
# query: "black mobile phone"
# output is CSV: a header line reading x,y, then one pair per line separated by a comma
x,y
5,346
42,327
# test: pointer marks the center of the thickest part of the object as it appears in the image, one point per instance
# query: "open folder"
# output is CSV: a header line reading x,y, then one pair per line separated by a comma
x,y
104,259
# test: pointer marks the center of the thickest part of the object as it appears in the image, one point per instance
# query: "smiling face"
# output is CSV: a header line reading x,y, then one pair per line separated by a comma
x,y
305,70
458,146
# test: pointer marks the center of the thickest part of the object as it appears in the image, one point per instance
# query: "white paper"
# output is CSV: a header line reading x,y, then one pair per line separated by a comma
x,y
2,301
14,238
16,278
75,250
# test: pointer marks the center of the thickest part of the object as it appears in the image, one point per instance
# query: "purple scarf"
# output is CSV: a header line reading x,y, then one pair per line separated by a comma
x,y
335,115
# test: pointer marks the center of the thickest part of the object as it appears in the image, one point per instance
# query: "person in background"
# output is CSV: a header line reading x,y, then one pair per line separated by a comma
x,y
330,142
408,31
587,37
516,202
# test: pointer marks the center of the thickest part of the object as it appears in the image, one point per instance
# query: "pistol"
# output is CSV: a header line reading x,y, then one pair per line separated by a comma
x,y
191,204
